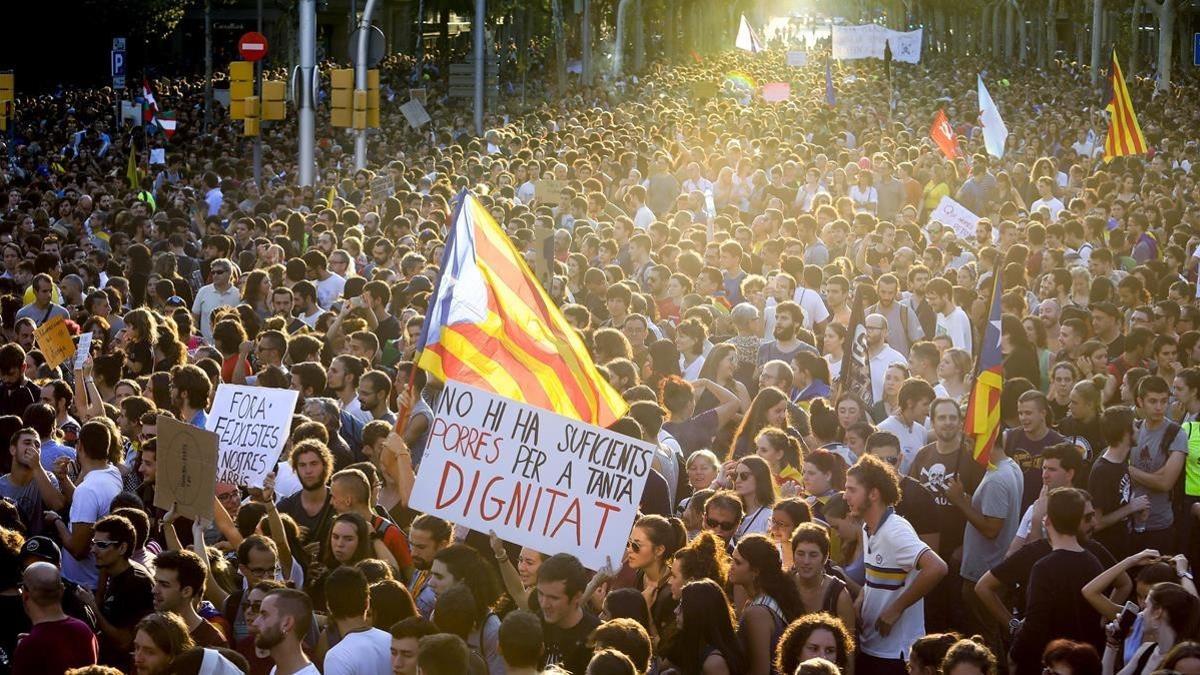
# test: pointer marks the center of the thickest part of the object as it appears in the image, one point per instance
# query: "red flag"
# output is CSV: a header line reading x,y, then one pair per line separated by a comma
x,y
943,134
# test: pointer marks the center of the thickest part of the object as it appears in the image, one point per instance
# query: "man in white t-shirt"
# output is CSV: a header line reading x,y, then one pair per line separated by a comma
x,y
635,199
220,293
815,311
908,424
284,619
879,354
901,569
1060,463
1046,199
363,649
90,502
952,321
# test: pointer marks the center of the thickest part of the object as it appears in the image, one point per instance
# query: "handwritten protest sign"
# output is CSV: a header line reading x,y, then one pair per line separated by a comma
x,y
951,213
415,113
537,479
867,42
548,191
252,425
419,94
186,471
83,349
797,59
54,342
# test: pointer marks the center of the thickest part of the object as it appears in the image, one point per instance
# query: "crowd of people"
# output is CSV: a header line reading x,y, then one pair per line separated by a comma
x,y
709,247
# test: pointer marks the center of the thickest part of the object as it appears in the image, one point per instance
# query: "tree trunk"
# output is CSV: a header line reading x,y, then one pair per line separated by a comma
x,y
1051,31
1135,36
208,65
1166,39
1080,39
997,29
444,40
560,45
1097,33
1010,20
1185,39
639,35
1023,33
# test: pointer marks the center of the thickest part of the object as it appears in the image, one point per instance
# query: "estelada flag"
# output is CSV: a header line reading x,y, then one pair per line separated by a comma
x,y
983,410
1124,133
943,134
491,325
855,377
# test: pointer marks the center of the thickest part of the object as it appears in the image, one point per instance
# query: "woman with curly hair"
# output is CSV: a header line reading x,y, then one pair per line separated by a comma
x,y
705,642
461,564
969,657
782,453
704,557
758,570
813,636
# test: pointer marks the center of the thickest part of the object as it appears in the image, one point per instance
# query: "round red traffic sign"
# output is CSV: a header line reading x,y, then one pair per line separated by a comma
x,y
252,46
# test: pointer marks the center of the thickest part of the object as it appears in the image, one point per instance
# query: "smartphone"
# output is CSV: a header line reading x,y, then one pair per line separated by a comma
x,y
1125,620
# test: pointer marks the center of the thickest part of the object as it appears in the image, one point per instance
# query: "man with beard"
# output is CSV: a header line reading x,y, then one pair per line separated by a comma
x,y
29,486
189,389
311,507
282,623
428,535
902,569
785,346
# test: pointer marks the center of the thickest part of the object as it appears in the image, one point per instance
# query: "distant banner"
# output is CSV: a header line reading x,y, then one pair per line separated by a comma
x,y
252,426
867,42
776,92
538,479
956,216
797,59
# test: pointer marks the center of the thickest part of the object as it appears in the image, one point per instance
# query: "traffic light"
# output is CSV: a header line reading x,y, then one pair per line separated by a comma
x,y
341,99
7,99
273,94
373,98
250,115
241,87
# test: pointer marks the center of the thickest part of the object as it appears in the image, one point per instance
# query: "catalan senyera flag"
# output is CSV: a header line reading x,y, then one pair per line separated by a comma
x,y
1124,133
490,324
983,410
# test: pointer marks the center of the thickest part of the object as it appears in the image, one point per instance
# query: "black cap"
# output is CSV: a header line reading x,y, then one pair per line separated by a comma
x,y
42,548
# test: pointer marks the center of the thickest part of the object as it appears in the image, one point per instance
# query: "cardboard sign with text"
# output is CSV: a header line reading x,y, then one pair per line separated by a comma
x,y
415,113
54,341
548,192
538,479
186,472
83,349
252,425
956,216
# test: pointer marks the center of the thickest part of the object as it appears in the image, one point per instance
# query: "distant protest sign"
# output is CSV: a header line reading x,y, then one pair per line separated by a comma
x,y
415,113
548,192
83,349
186,471
252,425
54,341
776,92
538,479
950,213
797,59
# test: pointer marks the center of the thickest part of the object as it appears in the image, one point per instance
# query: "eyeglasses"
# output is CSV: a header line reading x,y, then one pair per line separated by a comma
x,y
718,524
104,545
255,607
891,459
220,271
743,475
261,571
226,496
633,546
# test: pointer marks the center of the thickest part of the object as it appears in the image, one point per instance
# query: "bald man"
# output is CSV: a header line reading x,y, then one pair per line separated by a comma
x,y
57,642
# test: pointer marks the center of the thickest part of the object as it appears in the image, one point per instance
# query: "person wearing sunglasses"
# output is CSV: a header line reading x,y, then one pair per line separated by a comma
x,y
128,595
722,514
754,485
652,543
220,293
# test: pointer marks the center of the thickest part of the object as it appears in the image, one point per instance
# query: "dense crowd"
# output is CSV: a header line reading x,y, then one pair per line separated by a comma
x,y
710,248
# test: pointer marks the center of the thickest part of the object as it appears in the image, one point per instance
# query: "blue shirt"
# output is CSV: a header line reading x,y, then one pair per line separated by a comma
x,y
200,419
51,451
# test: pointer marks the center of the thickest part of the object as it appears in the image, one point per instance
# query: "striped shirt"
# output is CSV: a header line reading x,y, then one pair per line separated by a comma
x,y
890,555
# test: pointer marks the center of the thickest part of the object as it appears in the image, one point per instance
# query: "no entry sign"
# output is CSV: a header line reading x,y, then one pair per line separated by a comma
x,y
252,46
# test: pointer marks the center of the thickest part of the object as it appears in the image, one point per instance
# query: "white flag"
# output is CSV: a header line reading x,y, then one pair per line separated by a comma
x,y
994,131
746,38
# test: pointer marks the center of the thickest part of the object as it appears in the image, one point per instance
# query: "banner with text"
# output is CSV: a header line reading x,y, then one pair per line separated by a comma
x,y
538,479
252,425
867,42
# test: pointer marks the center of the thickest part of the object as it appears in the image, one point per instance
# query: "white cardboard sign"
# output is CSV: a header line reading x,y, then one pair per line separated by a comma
x,y
252,425
955,215
552,483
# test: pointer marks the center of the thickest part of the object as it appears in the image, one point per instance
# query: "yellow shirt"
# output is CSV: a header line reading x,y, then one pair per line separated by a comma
x,y
934,193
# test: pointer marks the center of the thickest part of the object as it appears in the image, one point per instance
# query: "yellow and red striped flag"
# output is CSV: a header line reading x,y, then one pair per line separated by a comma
x,y
1124,133
983,410
491,325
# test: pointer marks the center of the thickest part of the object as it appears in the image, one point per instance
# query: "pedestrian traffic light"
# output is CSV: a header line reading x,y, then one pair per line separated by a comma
x,y
251,111
373,98
273,94
341,99
241,87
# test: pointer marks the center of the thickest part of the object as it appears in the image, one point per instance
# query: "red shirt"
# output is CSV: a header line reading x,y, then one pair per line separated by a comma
x,y
54,647
394,539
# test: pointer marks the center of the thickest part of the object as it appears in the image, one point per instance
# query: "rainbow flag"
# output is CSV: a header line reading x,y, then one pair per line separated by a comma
x,y
491,325
983,410
1124,133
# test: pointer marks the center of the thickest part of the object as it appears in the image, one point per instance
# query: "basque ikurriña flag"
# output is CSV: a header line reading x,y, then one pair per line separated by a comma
x,y
983,410
491,325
